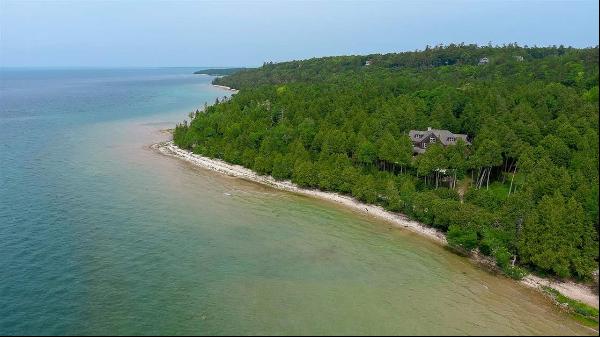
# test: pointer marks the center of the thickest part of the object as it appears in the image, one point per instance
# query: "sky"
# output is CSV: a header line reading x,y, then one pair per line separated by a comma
x,y
247,33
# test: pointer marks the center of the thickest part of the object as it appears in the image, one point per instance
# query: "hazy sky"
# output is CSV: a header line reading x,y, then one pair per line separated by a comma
x,y
227,33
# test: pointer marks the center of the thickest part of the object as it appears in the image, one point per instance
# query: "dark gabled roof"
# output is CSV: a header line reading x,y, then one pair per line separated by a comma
x,y
446,137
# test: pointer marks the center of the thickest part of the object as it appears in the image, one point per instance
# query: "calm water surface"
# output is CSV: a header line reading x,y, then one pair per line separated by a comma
x,y
99,234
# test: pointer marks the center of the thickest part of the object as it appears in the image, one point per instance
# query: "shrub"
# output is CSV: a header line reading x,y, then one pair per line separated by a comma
x,y
263,165
446,193
465,238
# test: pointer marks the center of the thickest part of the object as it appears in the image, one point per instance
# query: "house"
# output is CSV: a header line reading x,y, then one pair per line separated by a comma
x,y
421,139
484,60
519,58
368,63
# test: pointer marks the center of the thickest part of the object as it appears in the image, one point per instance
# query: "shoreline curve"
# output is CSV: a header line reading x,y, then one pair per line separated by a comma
x,y
577,291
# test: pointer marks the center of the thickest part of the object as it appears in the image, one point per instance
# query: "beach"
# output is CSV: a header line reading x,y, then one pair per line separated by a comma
x,y
577,291
233,91
397,220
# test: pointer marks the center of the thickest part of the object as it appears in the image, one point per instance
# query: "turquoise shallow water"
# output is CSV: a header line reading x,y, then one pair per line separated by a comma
x,y
99,234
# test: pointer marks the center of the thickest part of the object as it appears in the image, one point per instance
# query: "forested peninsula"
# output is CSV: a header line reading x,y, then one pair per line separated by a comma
x,y
522,187
219,71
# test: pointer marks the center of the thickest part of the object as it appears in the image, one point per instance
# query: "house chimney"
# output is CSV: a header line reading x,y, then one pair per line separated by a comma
x,y
429,128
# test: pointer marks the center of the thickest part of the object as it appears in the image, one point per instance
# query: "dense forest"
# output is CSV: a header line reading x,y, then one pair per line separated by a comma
x,y
525,192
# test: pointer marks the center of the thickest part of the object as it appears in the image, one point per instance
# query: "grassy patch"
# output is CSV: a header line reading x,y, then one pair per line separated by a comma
x,y
580,311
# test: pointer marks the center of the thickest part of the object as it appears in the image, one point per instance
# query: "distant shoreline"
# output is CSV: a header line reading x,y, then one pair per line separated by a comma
x,y
570,289
219,71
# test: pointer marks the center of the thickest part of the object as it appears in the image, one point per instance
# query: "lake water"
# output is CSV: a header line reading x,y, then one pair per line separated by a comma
x,y
99,234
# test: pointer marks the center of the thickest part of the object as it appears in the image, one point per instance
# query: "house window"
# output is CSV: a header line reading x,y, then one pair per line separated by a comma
x,y
418,135
424,145
451,139
432,139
